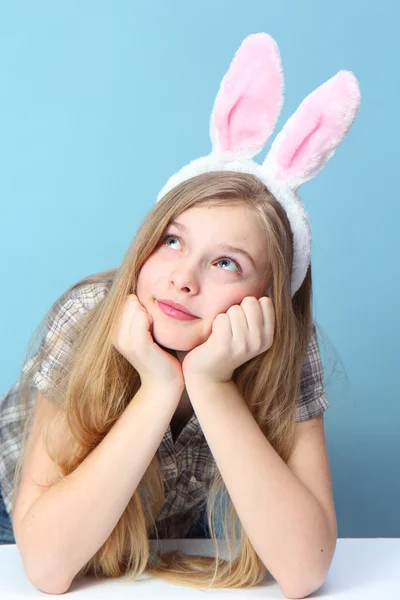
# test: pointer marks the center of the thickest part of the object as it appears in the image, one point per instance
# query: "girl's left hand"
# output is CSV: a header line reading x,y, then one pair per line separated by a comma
x,y
243,332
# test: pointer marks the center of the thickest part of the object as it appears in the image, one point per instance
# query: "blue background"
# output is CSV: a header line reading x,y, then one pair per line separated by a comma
x,y
102,101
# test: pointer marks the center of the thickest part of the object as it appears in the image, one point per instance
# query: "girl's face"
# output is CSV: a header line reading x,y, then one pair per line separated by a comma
x,y
191,266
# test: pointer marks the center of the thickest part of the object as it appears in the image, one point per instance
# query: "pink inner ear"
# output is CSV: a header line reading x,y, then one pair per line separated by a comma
x,y
313,131
250,98
318,126
241,128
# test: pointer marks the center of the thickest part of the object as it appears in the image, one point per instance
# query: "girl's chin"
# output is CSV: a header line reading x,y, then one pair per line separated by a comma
x,y
183,341
176,345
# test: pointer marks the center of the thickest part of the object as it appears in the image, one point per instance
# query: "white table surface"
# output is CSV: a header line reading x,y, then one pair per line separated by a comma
x,y
362,569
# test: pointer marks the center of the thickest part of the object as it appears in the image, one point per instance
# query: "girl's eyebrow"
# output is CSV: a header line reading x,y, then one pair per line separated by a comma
x,y
226,247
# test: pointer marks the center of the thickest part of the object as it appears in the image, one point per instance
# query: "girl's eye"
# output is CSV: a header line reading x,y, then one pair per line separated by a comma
x,y
226,259
230,260
169,237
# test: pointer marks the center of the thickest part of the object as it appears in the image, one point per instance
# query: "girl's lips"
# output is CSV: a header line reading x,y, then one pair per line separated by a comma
x,y
174,313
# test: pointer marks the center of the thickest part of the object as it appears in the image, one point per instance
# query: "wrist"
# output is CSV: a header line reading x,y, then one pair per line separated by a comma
x,y
169,388
199,379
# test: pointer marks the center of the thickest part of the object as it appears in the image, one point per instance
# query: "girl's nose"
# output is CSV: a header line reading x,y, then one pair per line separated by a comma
x,y
184,278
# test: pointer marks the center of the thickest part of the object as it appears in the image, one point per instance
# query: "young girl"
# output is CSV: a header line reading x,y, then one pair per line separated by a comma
x,y
183,392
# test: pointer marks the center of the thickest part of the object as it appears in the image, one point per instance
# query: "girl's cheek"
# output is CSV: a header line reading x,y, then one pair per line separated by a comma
x,y
151,265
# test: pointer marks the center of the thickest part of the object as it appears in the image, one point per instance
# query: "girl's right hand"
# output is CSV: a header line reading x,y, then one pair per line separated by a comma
x,y
133,339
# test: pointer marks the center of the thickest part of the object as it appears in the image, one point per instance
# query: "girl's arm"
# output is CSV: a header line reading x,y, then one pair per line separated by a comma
x,y
66,525
287,510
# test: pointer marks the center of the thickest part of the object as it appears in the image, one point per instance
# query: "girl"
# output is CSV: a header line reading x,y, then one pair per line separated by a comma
x,y
190,377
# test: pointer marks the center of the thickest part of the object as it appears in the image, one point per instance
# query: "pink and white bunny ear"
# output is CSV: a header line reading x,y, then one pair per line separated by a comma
x,y
249,100
312,134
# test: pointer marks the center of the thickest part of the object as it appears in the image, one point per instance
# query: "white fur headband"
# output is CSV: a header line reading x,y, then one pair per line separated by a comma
x,y
245,112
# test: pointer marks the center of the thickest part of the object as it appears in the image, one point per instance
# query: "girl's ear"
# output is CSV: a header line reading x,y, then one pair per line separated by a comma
x,y
312,134
249,100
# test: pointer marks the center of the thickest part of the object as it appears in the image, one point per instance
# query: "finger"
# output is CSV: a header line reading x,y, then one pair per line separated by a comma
x,y
253,313
239,324
268,311
221,328
254,316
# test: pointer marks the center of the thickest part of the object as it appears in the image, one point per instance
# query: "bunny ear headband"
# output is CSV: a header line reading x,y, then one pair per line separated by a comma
x,y
245,111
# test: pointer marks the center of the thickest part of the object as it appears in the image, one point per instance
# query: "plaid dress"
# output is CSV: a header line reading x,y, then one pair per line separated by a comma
x,y
187,463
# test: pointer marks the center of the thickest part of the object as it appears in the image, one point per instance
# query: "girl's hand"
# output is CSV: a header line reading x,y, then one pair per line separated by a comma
x,y
133,339
244,331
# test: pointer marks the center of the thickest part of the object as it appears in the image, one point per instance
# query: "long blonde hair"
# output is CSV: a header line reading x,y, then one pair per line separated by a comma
x,y
96,383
